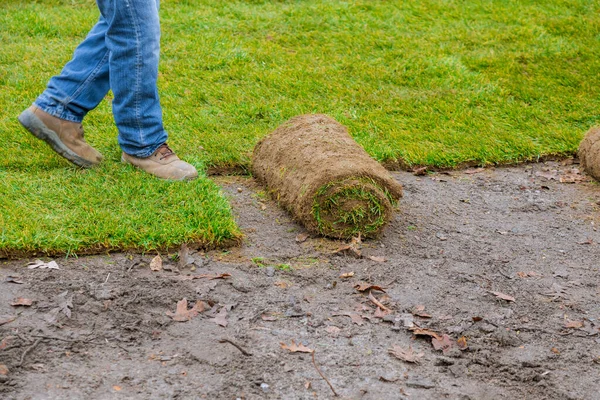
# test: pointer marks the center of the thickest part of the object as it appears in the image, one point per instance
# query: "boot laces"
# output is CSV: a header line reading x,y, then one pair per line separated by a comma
x,y
164,151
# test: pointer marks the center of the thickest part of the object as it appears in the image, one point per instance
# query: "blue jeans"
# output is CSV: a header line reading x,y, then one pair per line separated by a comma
x,y
120,53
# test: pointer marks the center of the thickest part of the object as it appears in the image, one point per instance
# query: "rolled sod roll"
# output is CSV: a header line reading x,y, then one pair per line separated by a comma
x,y
589,153
327,181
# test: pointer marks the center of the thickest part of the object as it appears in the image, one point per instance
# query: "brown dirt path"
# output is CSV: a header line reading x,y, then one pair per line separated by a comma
x,y
456,239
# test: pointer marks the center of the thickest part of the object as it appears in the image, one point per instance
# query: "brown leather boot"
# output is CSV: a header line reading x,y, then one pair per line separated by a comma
x,y
164,164
65,137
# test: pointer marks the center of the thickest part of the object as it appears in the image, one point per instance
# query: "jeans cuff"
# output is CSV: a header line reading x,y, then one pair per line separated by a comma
x,y
56,110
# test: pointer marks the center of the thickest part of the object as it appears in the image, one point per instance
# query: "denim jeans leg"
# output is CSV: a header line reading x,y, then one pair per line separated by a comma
x,y
83,82
133,41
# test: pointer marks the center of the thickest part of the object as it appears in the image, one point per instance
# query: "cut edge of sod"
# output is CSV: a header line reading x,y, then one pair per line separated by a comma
x,y
348,207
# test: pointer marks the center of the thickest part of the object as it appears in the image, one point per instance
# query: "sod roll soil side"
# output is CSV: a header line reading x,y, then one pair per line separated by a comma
x,y
327,181
589,153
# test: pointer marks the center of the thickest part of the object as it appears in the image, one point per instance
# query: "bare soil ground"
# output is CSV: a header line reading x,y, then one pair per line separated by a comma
x,y
462,246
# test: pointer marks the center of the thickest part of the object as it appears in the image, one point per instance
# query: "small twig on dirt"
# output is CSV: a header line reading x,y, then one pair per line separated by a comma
x,y
27,350
237,346
452,211
322,376
108,276
377,302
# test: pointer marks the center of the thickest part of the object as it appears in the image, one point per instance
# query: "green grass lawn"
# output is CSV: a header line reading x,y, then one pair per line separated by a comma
x,y
433,82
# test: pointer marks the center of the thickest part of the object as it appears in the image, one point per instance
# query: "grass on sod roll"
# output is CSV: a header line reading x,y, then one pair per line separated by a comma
x,y
434,82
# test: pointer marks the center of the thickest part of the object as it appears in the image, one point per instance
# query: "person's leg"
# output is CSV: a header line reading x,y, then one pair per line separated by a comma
x,y
57,113
133,39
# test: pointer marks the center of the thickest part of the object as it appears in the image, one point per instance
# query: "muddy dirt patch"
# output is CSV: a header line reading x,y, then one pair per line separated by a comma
x,y
486,281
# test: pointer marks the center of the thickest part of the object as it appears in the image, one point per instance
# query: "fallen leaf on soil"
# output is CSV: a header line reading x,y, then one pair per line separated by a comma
x,y
424,332
296,348
333,330
419,311
473,171
462,343
350,249
301,237
307,385
42,265
356,318
3,370
156,263
283,284
347,275
555,350
573,324
14,279
377,259
182,313
445,343
407,355
573,177
266,317
21,301
377,302
503,296
5,342
363,286
381,313
477,319
5,319
117,388
384,379
220,319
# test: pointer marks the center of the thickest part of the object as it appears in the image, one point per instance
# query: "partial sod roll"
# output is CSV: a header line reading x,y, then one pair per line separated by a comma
x,y
327,181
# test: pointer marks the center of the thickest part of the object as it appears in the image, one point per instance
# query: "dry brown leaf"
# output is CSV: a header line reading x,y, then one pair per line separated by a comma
x,y
503,296
4,369
444,343
21,301
301,237
424,332
419,311
182,313
156,263
407,355
347,275
462,343
117,388
380,313
472,171
555,350
5,342
377,259
221,318
349,249
39,264
5,319
296,348
266,317
283,284
363,286
573,324
307,385
477,319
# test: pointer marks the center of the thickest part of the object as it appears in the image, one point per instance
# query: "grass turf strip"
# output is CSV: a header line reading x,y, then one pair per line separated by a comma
x,y
429,83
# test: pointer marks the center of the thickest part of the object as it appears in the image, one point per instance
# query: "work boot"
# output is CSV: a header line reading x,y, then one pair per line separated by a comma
x,y
65,137
164,164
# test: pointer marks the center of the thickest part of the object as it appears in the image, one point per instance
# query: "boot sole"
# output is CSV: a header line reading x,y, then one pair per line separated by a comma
x,y
37,128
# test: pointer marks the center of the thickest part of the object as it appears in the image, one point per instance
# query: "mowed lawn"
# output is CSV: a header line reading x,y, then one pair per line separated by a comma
x,y
433,82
